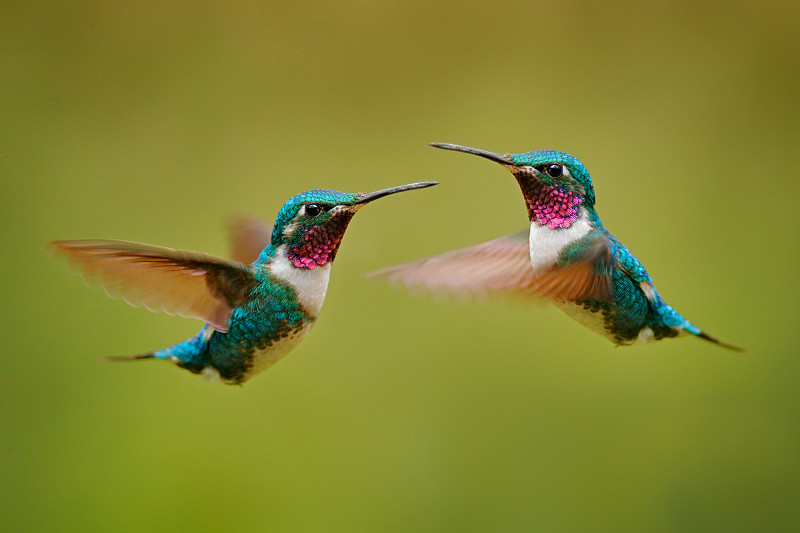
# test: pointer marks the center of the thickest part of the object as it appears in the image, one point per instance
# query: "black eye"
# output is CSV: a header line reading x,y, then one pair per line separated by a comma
x,y
313,210
554,170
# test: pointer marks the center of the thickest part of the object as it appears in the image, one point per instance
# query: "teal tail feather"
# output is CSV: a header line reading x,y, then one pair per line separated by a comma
x,y
706,336
697,332
188,352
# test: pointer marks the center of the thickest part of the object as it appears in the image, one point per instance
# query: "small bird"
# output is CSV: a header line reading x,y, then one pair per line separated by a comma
x,y
258,306
567,256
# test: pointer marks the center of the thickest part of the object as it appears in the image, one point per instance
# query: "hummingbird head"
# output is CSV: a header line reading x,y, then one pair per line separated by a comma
x,y
555,184
311,224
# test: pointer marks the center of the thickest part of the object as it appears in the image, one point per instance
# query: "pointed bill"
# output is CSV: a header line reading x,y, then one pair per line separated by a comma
x,y
188,284
367,197
503,159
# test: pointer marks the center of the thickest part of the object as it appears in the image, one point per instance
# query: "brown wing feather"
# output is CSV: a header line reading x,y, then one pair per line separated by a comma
x,y
586,277
503,265
178,282
498,265
248,237
576,281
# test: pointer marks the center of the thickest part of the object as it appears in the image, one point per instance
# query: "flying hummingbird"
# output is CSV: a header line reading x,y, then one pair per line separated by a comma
x,y
567,256
258,306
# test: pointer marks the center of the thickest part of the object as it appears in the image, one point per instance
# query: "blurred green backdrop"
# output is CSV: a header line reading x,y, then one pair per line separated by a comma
x,y
154,121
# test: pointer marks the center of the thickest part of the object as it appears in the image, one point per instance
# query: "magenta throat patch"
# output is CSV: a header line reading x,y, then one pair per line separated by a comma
x,y
552,207
318,244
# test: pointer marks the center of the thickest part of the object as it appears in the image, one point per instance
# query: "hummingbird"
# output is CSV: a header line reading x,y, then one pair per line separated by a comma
x,y
567,256
257,306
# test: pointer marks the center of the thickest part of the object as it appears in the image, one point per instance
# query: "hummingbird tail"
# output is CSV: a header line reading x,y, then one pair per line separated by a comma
x,y
129,357
706,336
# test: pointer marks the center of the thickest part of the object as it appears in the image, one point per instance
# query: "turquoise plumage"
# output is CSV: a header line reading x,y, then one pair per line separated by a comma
x,y
258,306
567,256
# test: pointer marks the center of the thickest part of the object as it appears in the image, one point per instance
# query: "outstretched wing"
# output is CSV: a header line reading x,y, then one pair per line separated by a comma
x,y
503,265
248,237
498,265
178,282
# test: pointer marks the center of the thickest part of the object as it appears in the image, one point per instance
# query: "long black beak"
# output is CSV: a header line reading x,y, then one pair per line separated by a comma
x,y
370,196
491,156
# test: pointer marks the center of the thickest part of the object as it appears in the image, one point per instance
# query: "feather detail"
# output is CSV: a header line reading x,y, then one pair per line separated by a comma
x,y
574,282
503,265
248,237
498,265
584,269
188,284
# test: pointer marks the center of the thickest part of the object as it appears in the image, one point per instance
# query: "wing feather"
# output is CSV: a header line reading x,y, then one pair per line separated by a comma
x,y
503,265
498,265
188,284
248,237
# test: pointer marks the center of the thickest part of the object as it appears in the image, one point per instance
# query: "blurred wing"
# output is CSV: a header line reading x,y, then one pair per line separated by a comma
x,y
503,265
498,265
188,284
248,237
583,271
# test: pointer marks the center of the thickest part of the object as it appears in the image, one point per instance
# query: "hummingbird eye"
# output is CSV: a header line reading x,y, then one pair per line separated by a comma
x,y
312,210
555,170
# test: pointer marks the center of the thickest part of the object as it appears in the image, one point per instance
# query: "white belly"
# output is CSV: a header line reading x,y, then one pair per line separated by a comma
x,y
263,359
592,320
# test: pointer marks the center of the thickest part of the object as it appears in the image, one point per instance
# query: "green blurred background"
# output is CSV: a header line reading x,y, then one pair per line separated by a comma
x,y
154,121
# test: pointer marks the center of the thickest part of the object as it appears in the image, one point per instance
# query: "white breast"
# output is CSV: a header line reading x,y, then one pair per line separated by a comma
x,y
310,284
546,244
